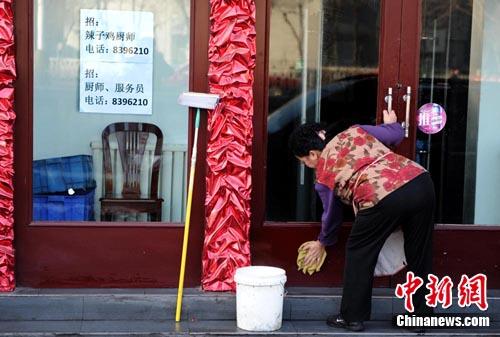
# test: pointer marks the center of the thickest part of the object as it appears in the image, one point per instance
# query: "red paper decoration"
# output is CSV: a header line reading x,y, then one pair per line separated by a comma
x,y
7,117
229,151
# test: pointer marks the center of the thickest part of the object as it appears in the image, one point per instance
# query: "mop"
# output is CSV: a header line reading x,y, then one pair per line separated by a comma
x,y
199,101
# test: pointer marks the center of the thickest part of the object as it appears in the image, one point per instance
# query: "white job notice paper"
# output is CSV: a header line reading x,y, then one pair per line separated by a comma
x,y
116,61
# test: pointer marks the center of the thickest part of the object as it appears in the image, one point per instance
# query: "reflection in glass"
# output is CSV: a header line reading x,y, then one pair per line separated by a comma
x,y
323,67
460,70
61,131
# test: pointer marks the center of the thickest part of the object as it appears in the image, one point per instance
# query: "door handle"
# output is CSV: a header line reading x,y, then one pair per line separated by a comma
x,y
388,99
406,123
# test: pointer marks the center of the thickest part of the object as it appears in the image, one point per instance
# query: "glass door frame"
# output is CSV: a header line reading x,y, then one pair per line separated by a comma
x,y
397,42
275,243
393,46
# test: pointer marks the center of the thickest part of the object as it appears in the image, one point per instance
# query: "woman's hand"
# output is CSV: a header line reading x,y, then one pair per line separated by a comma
x,y
390,117
314,251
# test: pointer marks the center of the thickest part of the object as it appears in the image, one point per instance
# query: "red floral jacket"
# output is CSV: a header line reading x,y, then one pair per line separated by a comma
x,y
361,170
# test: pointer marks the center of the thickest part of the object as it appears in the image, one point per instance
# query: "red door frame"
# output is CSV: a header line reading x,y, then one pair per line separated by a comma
x,y
458,249
148,255
276,243
93,254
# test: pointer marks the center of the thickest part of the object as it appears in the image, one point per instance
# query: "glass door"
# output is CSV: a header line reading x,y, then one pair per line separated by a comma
x,y
329,61
323,67
460,71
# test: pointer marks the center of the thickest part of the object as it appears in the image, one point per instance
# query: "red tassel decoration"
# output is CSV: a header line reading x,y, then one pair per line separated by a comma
x,y
7,117
229,151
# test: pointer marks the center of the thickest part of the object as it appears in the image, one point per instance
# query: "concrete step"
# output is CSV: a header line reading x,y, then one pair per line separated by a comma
x,y
208,328
26,304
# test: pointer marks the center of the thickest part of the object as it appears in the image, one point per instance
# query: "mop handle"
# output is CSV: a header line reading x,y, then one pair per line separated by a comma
x,y
188,218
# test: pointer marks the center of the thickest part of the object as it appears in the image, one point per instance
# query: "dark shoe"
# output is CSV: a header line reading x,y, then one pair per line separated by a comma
x,y
338,322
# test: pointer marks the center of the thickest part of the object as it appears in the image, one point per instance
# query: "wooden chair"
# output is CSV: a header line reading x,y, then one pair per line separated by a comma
x,y
132,139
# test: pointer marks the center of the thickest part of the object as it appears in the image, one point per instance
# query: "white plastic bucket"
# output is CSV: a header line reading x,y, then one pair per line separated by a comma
x,y
259,298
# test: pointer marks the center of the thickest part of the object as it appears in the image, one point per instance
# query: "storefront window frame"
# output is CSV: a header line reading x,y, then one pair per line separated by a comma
x,y
23,197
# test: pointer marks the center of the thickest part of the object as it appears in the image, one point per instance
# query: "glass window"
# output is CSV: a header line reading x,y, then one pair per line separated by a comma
x,y
323,67
460,70
98,63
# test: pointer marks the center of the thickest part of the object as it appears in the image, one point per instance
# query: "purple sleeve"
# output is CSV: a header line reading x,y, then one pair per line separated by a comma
x,y
389,134
331,218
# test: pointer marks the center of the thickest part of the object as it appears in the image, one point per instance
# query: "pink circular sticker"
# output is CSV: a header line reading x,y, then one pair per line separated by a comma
x,y
431,118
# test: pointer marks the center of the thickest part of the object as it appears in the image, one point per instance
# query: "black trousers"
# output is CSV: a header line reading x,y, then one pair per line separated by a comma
x,y
410,206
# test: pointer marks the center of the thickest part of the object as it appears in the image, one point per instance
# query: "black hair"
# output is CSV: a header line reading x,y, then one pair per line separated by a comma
x,y
305,138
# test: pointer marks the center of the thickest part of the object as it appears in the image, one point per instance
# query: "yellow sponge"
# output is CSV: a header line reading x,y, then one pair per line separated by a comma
x,y
313,266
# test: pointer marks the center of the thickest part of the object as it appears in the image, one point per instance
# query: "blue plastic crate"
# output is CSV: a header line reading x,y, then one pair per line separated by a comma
x,y
56,175
57,207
